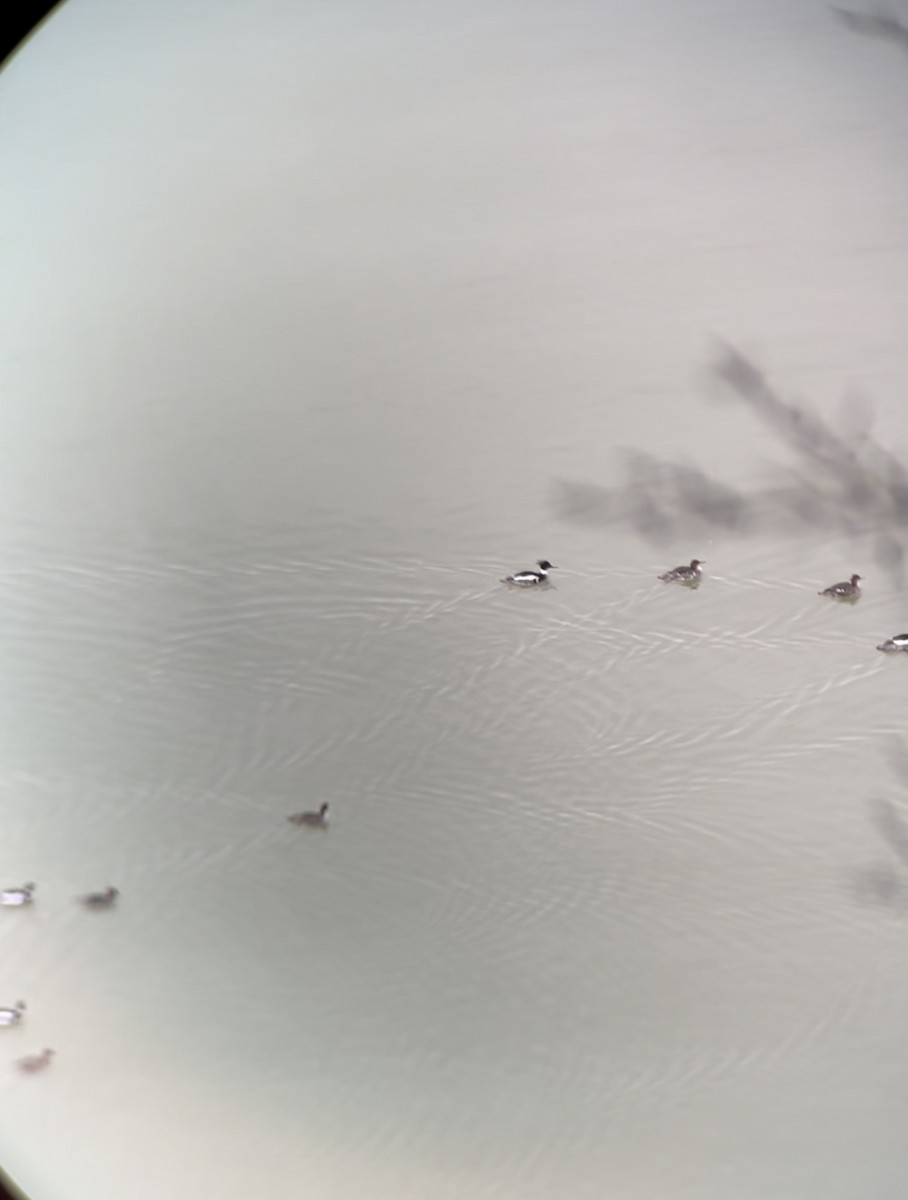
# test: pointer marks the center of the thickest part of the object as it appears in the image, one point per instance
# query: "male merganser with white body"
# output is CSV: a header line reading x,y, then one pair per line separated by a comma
x,y
12,1016
891,645
531,578
16,897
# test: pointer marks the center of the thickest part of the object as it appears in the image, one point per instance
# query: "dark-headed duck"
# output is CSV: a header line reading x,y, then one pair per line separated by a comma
x,y
849,590
531,578
688,574
35,1062
105,899
315,820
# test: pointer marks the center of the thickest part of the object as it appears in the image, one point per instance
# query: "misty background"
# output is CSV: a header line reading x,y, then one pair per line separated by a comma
x,y
316,321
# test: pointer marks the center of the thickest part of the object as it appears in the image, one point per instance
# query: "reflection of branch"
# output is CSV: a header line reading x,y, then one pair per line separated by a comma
x,y
892,827
654,494
879,25
898,759
887,883
845,482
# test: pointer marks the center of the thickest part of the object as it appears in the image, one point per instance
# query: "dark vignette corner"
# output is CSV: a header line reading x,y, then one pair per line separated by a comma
x,y
19,21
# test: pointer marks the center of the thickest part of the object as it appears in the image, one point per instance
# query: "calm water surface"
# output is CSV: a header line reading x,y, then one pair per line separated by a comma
x,y
306,310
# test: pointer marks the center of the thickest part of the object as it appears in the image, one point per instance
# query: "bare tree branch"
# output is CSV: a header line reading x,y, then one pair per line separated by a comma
x,y
844,482
879,25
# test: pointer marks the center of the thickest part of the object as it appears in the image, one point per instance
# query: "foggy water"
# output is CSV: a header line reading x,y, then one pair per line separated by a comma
x,y
307,310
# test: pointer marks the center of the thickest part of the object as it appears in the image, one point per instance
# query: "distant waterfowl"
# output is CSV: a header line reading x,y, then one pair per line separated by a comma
x,y
531,578
105,899
893,644
35,1062
12,1016
17,896
848,590
688,574
316,820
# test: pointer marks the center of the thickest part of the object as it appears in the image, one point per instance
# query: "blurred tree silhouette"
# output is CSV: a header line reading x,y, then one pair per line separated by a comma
x,y
880,25
844,483
886,882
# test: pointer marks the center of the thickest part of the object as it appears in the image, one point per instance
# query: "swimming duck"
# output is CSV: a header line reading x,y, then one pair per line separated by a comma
x,y
12,1016
849,590
317,820
18,896
531,578
35,1062
689,574
899,642
105,899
